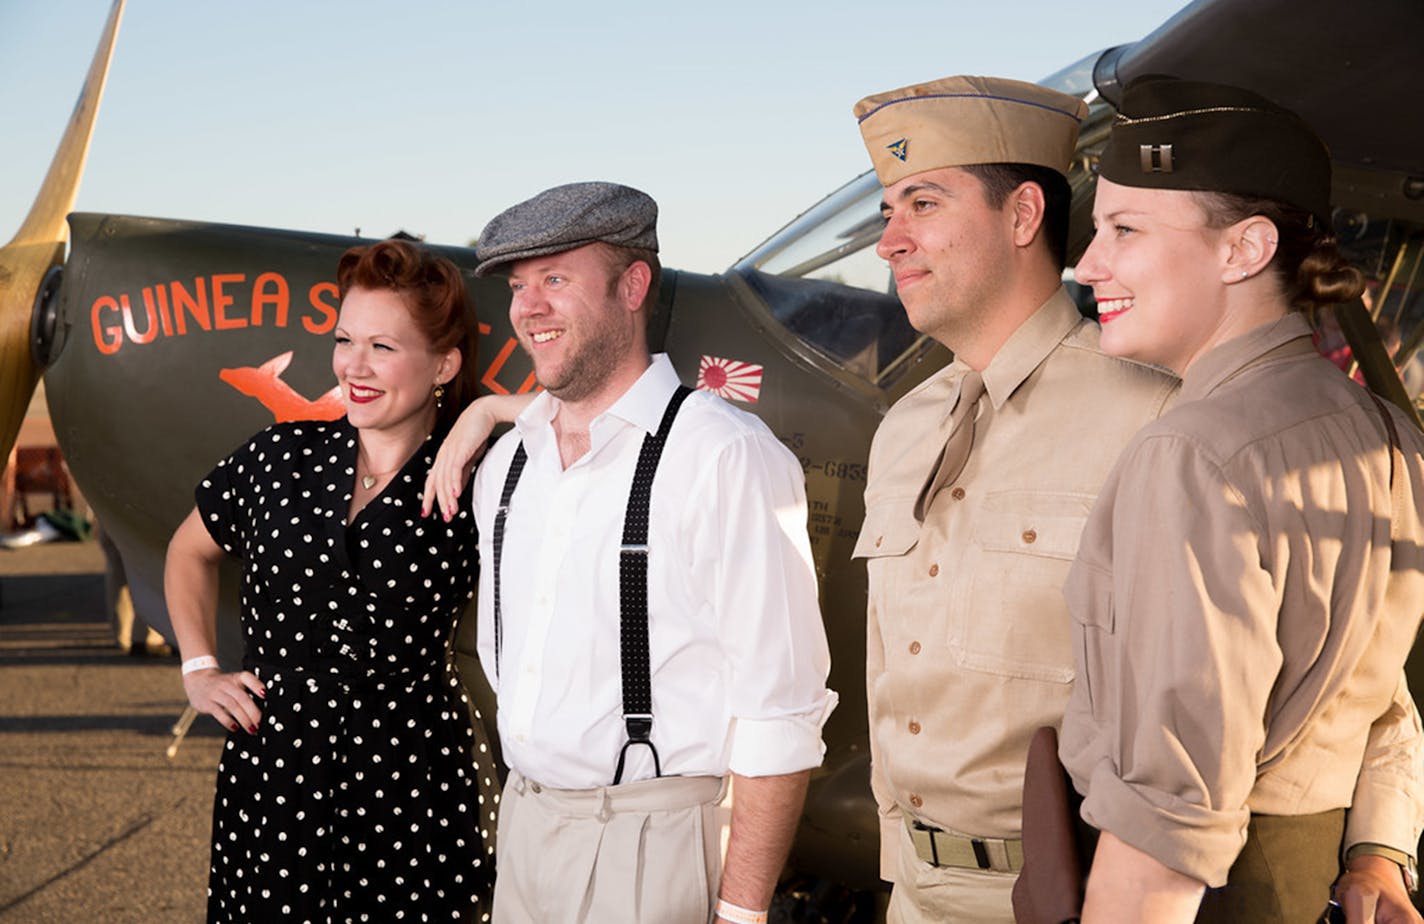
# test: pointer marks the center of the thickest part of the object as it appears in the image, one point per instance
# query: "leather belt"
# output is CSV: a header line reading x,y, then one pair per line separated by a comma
x,y
938,847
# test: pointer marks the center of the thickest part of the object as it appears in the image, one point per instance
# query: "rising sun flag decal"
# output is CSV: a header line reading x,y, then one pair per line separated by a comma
x,y
730,378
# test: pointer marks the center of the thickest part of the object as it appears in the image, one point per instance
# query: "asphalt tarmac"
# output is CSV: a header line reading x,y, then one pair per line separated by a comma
x,y
96,822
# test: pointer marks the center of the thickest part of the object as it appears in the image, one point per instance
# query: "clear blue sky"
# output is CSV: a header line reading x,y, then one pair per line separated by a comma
x,y
329,115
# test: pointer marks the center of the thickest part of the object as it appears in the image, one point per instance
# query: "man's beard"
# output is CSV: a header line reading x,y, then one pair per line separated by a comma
x,y
589,368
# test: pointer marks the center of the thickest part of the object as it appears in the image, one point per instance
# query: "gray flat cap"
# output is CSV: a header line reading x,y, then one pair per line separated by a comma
x,y
566,218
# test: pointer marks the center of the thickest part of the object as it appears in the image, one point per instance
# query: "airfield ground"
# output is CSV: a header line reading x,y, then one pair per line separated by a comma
x,y
96,823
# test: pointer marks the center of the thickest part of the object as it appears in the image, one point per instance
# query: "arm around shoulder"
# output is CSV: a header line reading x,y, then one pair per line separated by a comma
x,y
463,446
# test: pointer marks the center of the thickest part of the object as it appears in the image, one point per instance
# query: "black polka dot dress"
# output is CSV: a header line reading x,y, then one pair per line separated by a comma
x,y
367,793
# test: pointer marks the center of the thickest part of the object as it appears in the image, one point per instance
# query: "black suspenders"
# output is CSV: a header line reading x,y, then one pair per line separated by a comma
x,y
632,583
516,468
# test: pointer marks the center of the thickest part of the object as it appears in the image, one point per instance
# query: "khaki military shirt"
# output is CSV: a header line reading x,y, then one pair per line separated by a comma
x,y
1242,616
967,647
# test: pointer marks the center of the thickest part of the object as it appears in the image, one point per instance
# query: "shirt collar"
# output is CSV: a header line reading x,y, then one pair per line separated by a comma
x,y
1223,362
642,405
1030,345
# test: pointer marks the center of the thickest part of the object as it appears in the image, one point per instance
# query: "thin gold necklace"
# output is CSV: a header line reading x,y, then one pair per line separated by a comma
x,y
368,480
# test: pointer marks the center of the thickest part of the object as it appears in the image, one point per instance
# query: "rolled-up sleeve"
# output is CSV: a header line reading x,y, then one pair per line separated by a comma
x,y
764,597
1182,669
1388,805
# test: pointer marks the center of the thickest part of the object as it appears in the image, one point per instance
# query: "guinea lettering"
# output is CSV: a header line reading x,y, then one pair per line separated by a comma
x,y
224,301
221,301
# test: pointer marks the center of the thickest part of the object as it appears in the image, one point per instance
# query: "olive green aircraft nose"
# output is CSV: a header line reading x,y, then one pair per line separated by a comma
x,y
39,244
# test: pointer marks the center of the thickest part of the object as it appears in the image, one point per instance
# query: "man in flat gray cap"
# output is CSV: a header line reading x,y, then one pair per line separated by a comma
x,y
647,614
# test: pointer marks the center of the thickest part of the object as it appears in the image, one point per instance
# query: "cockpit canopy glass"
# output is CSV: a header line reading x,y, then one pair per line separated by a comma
x,y
824,282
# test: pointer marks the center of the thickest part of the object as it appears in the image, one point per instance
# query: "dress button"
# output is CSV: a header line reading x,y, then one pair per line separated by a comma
x,y
914,727
1029,535
916,801
914,648
957,494
934,570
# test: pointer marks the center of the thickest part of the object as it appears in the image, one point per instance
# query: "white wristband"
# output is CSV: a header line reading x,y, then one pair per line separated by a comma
x,y
739,915
199,664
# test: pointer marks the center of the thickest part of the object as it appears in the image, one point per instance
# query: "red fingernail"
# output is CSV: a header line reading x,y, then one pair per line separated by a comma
x,y
252,729
262,693
232,727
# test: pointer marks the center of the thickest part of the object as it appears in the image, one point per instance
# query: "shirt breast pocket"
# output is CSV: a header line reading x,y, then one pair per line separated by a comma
x,y
1015,622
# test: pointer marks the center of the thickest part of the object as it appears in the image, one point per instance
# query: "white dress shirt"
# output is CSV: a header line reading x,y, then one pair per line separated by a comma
x,y
737,649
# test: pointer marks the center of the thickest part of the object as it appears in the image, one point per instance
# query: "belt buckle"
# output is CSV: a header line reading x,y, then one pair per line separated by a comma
x,y
931,831
981,853
976,844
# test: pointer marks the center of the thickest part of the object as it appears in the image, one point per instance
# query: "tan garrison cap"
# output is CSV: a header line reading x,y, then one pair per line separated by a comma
x,y
968,120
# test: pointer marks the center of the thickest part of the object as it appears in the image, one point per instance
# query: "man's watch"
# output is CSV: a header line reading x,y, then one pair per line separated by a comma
x,y
1408,866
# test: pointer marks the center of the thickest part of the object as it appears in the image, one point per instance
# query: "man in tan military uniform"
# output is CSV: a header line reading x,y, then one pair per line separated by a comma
x,y
975,504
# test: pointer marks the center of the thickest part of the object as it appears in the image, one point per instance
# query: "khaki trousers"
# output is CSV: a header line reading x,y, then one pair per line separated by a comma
x,y
925,893
640,853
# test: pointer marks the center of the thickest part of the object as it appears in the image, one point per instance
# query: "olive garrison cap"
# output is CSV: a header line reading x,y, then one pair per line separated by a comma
x,y
958,121
566,218
1187,134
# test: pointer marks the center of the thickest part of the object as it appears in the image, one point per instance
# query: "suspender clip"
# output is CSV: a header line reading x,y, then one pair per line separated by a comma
x,y
640,726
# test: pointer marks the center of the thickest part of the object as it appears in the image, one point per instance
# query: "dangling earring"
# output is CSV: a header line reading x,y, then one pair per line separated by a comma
x,y
439,395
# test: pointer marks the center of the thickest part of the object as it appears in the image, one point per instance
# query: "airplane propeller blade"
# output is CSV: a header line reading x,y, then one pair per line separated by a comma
x,y
39,244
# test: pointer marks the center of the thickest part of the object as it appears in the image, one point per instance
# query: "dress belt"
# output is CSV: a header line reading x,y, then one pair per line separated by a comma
x,y
939,847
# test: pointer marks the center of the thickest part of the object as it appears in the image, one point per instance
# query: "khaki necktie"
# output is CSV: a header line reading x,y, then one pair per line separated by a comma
x,y
956,449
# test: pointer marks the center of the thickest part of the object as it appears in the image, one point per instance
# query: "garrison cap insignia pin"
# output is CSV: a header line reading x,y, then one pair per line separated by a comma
x,y
1155,158
899,148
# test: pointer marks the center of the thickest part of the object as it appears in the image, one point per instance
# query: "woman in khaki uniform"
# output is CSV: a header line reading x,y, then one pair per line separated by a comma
x,y
1249,583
